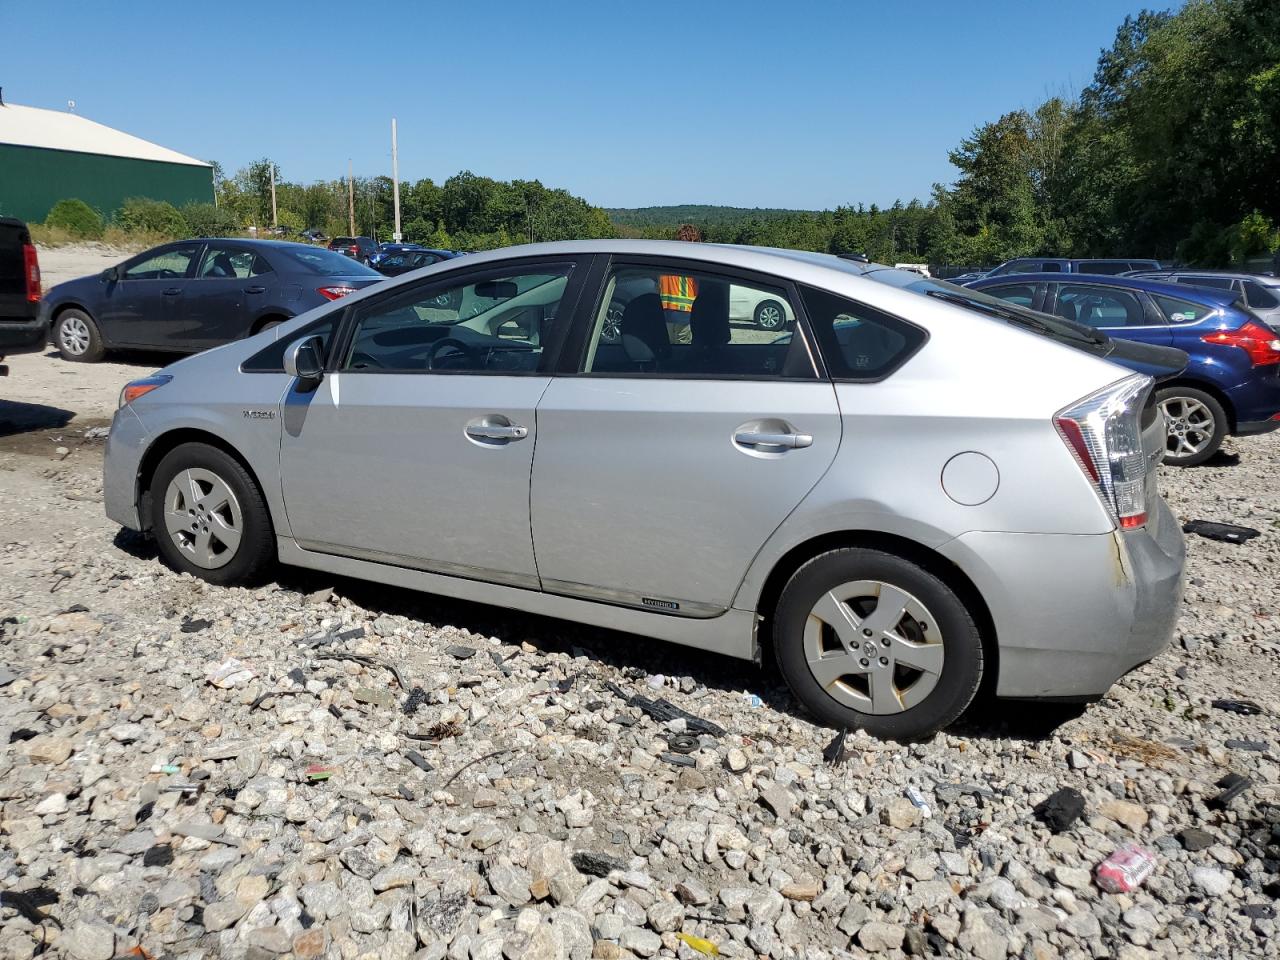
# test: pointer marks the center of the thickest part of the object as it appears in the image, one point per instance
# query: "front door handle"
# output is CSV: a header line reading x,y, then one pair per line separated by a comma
x,y
255,289
171,291
495,431
788,441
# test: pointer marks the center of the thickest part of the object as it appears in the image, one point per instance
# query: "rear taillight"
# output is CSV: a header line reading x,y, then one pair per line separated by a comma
x,y
31,272
335,293
1104,434
1258,341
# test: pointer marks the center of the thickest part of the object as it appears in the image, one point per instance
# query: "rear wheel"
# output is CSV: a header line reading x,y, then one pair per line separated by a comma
x,y
869,640
1196,424
770,315
78,337
209,517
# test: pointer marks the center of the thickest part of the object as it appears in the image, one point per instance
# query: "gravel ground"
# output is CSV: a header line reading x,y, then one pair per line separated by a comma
x,y
498,795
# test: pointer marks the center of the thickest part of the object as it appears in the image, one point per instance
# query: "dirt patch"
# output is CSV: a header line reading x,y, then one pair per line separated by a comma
x,y
40,430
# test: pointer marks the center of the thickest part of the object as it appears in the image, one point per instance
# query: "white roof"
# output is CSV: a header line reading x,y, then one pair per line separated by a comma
x,y
58,130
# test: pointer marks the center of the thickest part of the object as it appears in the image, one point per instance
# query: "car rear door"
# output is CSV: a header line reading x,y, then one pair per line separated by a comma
x,y
416,447
221,299
144,307
662,467
1117,311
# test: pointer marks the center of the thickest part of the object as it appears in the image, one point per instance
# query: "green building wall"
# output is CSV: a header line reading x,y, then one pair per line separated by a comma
x,y
33,179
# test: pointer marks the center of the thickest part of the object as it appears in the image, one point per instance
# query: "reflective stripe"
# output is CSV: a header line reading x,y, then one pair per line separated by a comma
x,y
677,293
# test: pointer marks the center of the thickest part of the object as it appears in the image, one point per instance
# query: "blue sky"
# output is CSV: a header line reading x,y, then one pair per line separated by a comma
x,y
798,104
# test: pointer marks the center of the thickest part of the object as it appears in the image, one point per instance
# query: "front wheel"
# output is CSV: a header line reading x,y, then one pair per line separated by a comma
x,y
209,517
770,315
78,337
866,639
1196,424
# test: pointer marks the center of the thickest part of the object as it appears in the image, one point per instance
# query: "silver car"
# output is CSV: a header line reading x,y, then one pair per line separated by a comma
x,y
900,496
1261,294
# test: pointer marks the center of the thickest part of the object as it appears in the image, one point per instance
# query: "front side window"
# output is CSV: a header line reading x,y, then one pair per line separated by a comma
x,y
1100,307
681,322
1023,294
169,264
270,359
859,342
230,263
498,325
1181,311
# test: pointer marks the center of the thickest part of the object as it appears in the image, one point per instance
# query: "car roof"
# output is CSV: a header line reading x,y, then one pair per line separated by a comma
x,y
251,242
1205,295
1225,274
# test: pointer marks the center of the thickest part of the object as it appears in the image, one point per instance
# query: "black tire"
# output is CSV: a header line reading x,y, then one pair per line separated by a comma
x,y
962,664
770,315
1178,430
74,327
256,552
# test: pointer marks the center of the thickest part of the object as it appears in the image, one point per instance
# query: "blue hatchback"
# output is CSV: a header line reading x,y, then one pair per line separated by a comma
x,y
1232,381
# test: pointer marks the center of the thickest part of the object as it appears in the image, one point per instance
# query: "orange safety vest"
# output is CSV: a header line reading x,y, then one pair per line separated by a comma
x,y
677,293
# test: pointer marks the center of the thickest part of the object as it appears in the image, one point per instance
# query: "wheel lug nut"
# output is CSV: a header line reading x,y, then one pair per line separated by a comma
x,y
866,633
884,641
864,662
884,661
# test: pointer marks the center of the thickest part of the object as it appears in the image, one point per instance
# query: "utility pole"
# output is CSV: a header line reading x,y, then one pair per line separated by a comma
x,y
351,200
395,180
275,220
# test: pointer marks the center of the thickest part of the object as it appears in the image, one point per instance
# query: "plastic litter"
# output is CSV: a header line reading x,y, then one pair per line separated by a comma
x,y
195,626
753,700
1233,785
834,753
664,710
368,662
418,760
702,945
230,673
656,682
919,802
165,768
1060,809
678,759
683,743
1246,708
1224,532
1126,869
318,771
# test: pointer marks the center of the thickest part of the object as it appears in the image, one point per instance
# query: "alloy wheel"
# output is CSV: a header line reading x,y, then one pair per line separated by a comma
x,y
612,330
203,517
873,647
1190,426
770,317
73,336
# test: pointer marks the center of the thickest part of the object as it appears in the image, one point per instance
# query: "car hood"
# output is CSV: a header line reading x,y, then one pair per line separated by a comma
x,y
77,288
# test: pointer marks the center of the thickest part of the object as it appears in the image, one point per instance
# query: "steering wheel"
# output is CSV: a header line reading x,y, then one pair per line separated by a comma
x,y
473,357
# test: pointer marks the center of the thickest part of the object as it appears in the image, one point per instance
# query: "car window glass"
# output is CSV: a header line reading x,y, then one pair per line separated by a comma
x,y
231,264
484,324
1107,267
859,342
1181,311
677,322
170,264
1028,267
1100,307
1023,294
1051,268
1259,296
1217,283
270,359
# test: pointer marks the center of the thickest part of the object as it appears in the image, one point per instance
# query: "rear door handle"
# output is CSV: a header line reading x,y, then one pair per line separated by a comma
x,y
788,441
487,431
172,291
255,289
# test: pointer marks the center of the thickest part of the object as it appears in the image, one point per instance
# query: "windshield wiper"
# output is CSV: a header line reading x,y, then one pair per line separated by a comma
x,y
1059,328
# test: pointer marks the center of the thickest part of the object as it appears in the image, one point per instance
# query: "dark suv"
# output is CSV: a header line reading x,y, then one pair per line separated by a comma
x,y
359,248
21,328
1064,265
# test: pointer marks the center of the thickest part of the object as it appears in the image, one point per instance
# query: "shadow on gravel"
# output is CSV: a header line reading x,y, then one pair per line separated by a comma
x,y
135,544
640,657
16,417
1222,459
150,359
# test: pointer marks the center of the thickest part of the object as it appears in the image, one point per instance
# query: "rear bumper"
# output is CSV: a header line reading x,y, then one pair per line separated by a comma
x,y
1256,401
24,336
126,444
1073,614
1253,427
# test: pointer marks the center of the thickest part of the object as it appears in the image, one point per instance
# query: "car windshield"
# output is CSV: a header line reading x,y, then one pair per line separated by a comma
x,y
325,263
1047,324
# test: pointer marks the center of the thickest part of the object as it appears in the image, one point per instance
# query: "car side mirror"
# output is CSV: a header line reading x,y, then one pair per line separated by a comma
x,y
304,360
111,274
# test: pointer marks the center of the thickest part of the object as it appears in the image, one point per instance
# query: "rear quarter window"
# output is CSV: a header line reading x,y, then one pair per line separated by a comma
x,y
859,342
1180,311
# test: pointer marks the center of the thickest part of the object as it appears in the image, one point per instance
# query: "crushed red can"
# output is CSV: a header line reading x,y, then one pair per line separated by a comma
x,y
1126,869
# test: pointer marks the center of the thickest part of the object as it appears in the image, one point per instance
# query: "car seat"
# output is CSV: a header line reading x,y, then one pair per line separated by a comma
x,y
222,267
644,331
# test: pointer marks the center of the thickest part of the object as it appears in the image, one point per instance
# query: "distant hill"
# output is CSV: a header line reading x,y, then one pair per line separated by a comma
x,y
699,214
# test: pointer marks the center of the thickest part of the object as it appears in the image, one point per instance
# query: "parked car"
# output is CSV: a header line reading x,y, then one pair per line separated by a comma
x,y
22,329
1232,383
362,249
394,263
1261,294
964,278
313,236
196,294
903,496
1063,265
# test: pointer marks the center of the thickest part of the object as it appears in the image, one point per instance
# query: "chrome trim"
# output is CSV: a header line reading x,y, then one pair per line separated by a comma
x,y
444,567
627,598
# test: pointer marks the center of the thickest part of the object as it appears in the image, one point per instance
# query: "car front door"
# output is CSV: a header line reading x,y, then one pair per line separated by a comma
x,y
220,300
1118,312
143,307
416,446
668,455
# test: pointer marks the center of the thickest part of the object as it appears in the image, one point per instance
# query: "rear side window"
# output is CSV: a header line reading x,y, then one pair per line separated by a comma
x,y
1023,294
271,359
859,342
1181,311
1100,307
1256,295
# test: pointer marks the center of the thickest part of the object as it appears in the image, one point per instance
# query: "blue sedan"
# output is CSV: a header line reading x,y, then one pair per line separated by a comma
x,y
196,294
1232,381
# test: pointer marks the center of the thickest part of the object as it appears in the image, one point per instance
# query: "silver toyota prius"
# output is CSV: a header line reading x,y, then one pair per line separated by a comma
x,y
897,494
